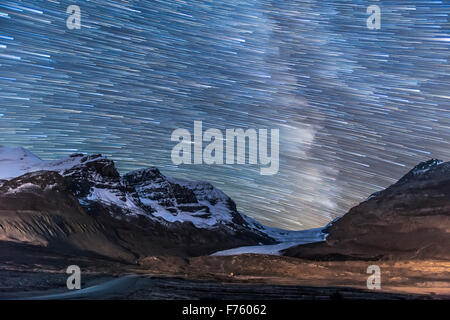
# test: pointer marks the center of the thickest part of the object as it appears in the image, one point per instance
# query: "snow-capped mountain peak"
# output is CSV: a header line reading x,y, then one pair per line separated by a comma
x,y
95,181
426,165
15,162
421,169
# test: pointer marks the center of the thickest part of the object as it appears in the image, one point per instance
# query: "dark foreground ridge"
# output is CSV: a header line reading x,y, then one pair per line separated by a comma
x,y
408,220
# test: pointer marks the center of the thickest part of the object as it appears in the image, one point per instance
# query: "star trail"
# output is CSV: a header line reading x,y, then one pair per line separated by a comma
x,y
356,108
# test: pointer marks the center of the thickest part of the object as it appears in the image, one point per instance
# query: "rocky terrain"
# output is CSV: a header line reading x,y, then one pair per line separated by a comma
x,y
246,276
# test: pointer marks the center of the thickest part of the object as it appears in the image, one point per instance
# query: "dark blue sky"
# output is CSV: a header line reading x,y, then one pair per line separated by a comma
x,y
356,108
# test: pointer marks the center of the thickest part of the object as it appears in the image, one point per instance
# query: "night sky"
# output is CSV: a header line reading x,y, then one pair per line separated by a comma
x,y
356,108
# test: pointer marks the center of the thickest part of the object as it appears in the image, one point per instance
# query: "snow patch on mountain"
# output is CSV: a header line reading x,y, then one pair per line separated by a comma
x,y
426,165
23,187
108,197
207,195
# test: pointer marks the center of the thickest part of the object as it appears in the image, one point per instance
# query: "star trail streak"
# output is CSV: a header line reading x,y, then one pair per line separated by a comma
x,y
356,108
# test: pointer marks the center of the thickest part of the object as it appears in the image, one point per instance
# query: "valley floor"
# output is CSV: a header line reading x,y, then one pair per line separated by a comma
x,y
174,288
226,277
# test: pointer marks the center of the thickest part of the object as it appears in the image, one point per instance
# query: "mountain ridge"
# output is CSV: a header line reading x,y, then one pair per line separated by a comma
x,y
408,220
144,213
186,217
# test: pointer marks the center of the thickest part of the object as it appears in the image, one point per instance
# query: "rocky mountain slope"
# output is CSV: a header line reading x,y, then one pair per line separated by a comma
x,y
408,220
82,204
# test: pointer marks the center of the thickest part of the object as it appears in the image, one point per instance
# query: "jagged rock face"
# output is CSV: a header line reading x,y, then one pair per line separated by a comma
x,y
216,200
408,220
92,172
95,180
154,190
177,200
